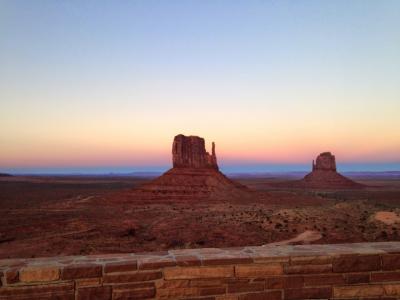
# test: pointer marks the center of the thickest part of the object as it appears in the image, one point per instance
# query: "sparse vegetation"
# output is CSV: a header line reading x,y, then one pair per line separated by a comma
x,y
86,217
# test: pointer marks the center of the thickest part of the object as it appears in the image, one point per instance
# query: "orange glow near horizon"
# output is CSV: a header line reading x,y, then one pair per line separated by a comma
x,y
154,152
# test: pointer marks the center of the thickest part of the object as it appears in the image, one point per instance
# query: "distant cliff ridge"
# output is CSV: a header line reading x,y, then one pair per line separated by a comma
x,y
5,175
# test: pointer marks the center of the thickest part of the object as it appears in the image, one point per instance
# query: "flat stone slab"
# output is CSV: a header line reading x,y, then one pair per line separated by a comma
x,y
203,256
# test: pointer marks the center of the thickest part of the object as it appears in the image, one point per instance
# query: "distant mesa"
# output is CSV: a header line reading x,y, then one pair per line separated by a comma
x,y
5,175
324,174
195,174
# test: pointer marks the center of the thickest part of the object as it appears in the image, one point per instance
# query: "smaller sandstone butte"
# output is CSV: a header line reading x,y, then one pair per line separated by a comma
x,y
324,162
325,176
195,174
5,175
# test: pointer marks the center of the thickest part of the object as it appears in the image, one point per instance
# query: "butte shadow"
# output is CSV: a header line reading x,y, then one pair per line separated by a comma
x,y
194,175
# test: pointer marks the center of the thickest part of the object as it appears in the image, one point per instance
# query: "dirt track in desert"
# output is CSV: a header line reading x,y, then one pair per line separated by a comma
x,y
46,216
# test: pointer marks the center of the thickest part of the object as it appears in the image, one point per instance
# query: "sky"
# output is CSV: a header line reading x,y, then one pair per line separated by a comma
x,y
106,85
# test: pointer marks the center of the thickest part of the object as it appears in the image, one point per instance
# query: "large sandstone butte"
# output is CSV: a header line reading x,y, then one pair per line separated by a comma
x,y
190,152
324,174
194,175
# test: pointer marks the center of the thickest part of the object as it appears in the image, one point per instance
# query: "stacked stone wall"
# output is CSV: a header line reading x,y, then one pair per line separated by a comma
x,y
342,271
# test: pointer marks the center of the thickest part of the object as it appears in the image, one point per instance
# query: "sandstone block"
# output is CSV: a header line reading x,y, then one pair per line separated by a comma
x,y
32,291
86,282
12,276
308,269
392,289
132,277
355,263
201,298
258,270
207,282
198,272
81,271
227,261
352,278
98,293
308,293
45,273
357,291
242,287
69,295
134,285
311,260
187,260
323,279
215,290
264,259
385,276
171,284
121,266
143,293
227,297
284,282
269,295
176,293
391,262
151,263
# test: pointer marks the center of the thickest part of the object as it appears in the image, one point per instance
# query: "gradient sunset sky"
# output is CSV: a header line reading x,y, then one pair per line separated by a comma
x,y
106,85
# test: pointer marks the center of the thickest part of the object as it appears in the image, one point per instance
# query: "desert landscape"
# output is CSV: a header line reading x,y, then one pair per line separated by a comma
x,y
194,205
199,150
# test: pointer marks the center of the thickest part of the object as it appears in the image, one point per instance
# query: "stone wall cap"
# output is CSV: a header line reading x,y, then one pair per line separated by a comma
x,y
205,255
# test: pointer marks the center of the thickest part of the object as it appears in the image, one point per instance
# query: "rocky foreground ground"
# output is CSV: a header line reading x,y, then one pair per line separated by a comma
x,y
46,216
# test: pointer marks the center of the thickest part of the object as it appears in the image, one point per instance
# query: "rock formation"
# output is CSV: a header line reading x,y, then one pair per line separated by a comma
x,y
325,176
194,175
325,162
190,152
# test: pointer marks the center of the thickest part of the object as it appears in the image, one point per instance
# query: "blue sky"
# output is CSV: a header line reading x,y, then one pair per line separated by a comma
x,y
86,84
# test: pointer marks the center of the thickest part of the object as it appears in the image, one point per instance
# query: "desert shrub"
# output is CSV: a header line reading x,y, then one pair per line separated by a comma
x,y
131,232
176,243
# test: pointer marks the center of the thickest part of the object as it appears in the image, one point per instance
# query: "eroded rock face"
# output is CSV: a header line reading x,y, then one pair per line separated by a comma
x,y
324,175
190,152
325,162
195,175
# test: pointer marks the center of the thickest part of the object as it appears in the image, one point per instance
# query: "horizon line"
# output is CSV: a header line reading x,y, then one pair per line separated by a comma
x,y
227,168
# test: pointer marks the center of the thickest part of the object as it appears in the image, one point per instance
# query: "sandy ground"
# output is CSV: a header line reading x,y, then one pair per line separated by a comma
x,y
387,217
305,237
88,215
